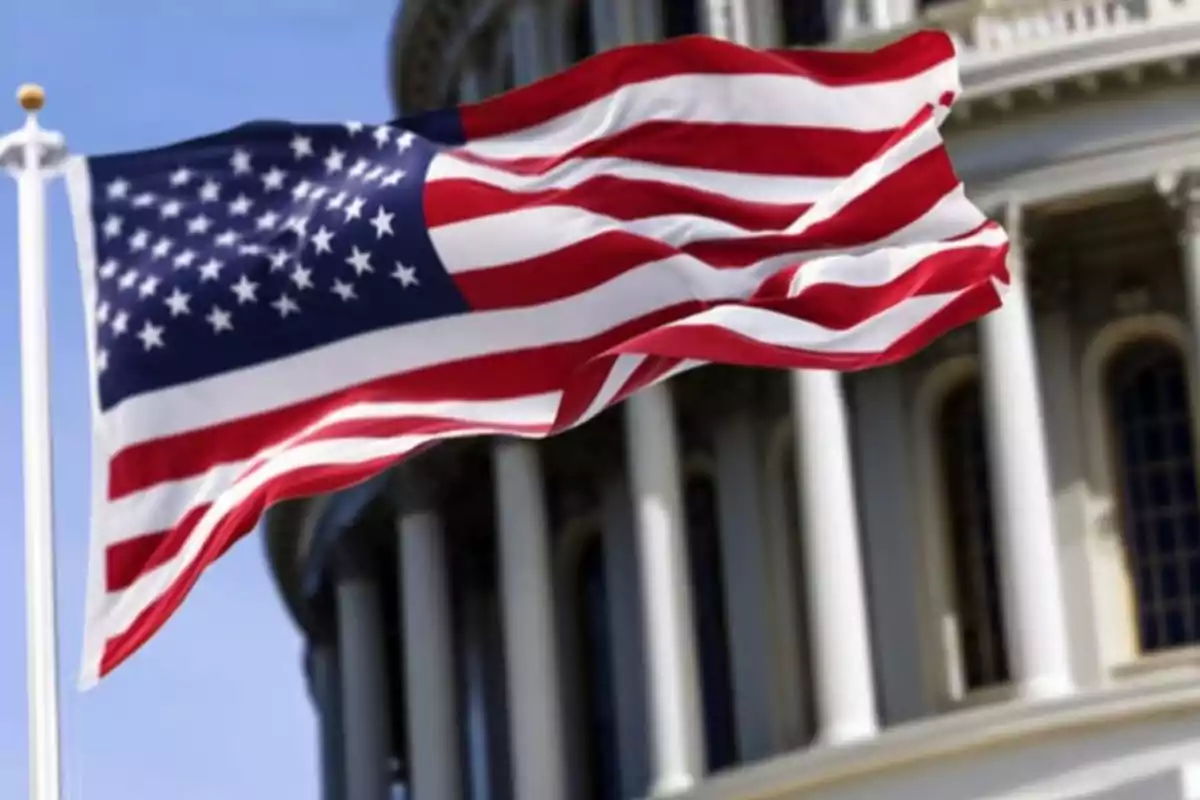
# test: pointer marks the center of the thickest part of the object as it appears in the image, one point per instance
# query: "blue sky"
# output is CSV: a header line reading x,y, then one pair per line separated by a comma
x,y
214,707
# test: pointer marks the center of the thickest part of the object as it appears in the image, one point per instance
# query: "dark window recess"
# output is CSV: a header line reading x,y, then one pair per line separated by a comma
x,y
806,22
595,662
583,38
712,636
1151,417
679,17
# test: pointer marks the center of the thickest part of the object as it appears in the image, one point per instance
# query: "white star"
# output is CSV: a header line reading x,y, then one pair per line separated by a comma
x,y
301,147
405,141
267,221
140,240
382,223
285,305
335,161
336,201
317,193
406,275
118,189
297,224
227,238
185,259
151,335
170,209
320,240
177,301
101,360
143,200
354,210
240,161
251,249
360,166
161,248
302,277
112,226
199,224
128,279
381,135
279,260
393,178
353,127
220,319
120,323
375,174
245,289
181,176
102,312
273,180
361,261
211,270
210,191
148,287
109,268
240,206
301,190
344,290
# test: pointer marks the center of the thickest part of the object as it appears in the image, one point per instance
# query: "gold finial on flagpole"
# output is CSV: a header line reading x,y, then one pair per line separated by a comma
x,y
31,97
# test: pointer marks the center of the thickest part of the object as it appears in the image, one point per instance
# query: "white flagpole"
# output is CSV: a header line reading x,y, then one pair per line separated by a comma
x,y
32,154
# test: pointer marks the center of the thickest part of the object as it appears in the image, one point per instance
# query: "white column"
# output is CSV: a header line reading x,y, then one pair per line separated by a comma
x,y
363,670
1184,193
881,14
1022,494
676,730
534,698
841,649
428,649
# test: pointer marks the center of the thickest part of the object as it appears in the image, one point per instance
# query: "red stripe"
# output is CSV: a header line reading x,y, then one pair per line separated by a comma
x,y
728,147
535,103
627,199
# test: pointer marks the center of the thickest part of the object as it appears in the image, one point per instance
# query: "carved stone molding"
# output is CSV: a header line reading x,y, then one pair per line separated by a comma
x,y
1181,189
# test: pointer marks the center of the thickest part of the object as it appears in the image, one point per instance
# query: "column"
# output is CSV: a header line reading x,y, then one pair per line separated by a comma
x,y
534,698
841,649
1027,548
676,731
324,686
363,668
881,14
530,53
884,447
747,590
1185,195
433,747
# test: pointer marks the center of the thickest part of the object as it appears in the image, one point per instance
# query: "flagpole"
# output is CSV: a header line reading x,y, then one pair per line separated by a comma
x,y
31,153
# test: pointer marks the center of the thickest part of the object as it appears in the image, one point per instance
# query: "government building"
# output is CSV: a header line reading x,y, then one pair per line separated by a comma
x,y
975,574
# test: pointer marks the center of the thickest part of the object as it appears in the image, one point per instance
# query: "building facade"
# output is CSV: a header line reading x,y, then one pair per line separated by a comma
x,y
973,574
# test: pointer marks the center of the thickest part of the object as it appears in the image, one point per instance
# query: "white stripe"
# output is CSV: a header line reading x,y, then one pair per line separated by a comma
x,y
777,189
623,366
162,506
775,100
501,239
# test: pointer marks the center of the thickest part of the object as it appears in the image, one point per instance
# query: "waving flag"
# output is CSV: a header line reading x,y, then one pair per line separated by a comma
x,y
284,309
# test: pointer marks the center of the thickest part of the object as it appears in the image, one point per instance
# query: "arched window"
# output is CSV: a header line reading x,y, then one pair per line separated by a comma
x,y
805,22
679,17
712,637
595,660
583,37
1146,385
971,548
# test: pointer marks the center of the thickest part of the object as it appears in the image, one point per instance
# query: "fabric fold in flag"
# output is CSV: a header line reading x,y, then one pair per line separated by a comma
x,y
286,309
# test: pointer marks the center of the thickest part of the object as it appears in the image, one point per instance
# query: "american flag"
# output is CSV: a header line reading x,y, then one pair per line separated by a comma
x,y
285,309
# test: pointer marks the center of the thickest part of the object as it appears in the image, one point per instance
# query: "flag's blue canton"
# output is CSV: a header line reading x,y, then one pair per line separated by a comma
x,y
257,244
